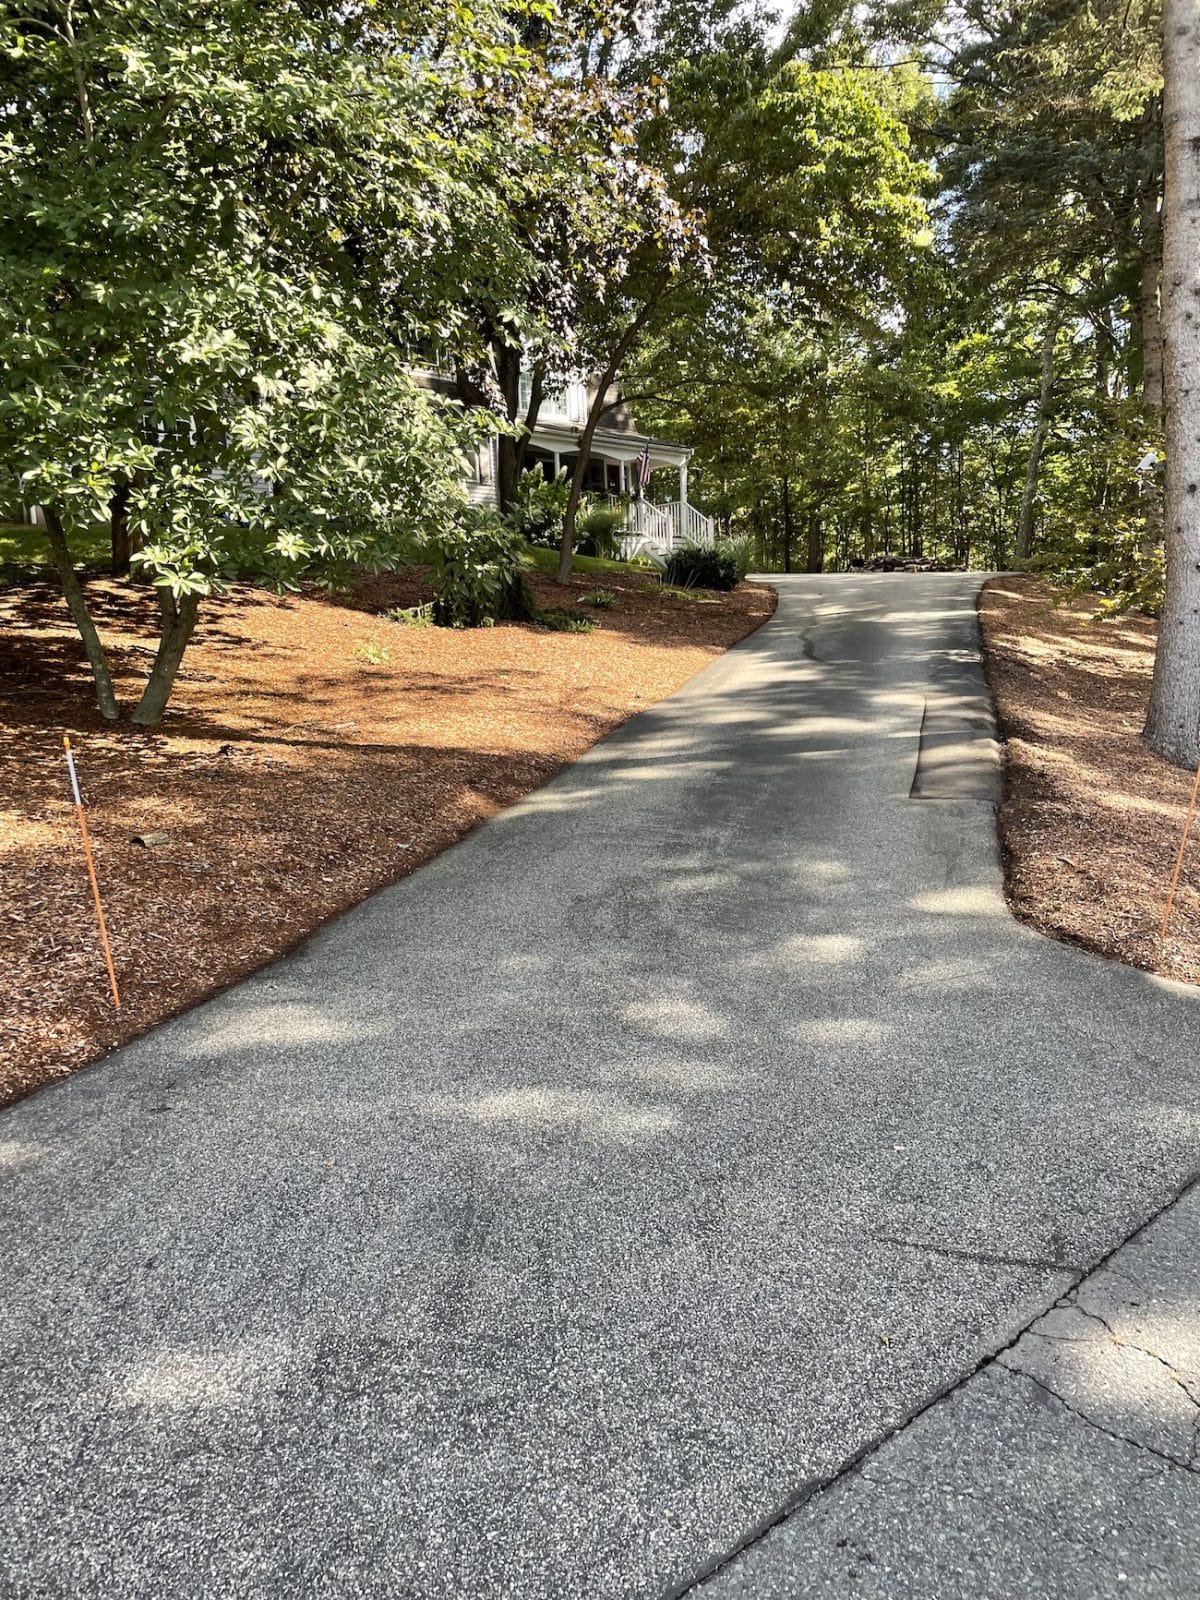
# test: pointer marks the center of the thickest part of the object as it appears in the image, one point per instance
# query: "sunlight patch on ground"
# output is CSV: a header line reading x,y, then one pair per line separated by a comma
x,y
18,1154
189,1379
821,949
676,1017
547,1106
980,900
840,1032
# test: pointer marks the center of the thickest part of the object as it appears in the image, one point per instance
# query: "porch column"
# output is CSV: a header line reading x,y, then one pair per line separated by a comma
x,y
622,478
683,483
554,453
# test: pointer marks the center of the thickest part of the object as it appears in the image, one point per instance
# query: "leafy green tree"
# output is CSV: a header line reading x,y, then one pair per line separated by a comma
x,y
800,182
221,223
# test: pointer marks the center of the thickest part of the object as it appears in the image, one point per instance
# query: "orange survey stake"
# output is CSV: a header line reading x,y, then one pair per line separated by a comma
x,y
91,866
1187,825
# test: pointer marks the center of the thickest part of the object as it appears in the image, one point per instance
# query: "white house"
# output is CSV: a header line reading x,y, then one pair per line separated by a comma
x,y
654,528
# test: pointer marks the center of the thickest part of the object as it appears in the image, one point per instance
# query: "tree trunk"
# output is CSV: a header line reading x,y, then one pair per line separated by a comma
x,y
626,342
787,524
566,547
1038,443
1174,713
179,618
815,554
118,517
77,605
1150,324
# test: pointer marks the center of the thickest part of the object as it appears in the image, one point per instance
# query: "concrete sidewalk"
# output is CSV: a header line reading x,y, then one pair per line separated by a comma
x,y
548,1223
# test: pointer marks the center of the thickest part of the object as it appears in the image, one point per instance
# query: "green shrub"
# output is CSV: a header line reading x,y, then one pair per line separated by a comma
x,y
697,566
538,510
559,620
482,577
602,599
599,529
744,551
371,653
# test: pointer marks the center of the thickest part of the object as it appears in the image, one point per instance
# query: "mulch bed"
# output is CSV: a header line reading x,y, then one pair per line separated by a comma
x,y
312,752
1091,820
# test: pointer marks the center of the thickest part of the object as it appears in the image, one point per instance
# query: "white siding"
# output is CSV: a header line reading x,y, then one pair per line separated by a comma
x,y
481,485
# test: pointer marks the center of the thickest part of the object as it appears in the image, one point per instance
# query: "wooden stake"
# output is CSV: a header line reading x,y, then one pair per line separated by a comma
x,y
91,866
1187,823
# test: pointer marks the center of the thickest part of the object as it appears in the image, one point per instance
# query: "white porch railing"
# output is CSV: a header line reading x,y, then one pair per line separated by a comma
x,y
651,528
689,525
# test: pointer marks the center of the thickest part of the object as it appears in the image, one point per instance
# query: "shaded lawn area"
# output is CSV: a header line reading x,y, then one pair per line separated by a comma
x,y
24,548
312,753
1091,819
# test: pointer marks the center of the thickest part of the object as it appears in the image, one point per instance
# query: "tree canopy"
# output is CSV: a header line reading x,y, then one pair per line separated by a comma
x,y
893,271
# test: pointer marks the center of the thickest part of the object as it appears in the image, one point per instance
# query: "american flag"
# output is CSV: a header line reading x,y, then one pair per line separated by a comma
x,y
643,468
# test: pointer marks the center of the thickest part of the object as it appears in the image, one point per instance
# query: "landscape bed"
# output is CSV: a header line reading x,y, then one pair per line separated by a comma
x,y
312,753
1091,819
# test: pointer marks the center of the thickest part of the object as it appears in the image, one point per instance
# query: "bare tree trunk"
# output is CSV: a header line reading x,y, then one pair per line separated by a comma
x,y
787,524
179,618
1150,320
815,553
118,520
1173,721
513,449
1038,443
566,548
82,617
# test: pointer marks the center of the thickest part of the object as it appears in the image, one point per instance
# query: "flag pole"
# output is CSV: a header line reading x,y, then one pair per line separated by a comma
x,y
1187,824
91,866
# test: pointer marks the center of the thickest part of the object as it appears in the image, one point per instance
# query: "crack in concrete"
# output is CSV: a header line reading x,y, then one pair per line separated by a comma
x,y
982,1257
1128,1344
812,1488
1111,1433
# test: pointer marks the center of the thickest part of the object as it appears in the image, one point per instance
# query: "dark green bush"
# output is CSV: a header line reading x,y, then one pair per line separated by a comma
x,y
698,566
482,577
538,510
599,529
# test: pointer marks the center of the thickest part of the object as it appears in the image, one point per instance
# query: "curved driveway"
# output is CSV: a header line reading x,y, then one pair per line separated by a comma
x,y
543,1225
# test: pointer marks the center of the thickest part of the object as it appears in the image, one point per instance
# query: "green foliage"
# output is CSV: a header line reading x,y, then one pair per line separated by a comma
x,y
412,616
217,226
559,619
598,530
695,566
482,572
537,511
599,599
743,551
372,654
546,561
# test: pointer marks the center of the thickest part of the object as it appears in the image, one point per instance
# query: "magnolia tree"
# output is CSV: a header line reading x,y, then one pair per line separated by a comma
x,y
221,225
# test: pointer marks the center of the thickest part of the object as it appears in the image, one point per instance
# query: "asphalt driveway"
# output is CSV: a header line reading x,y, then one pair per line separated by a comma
x,y
550,1221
